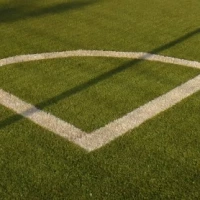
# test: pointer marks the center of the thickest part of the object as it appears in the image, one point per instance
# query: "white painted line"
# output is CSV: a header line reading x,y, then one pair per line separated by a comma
x,y
138,116
39,117
104,135
96,53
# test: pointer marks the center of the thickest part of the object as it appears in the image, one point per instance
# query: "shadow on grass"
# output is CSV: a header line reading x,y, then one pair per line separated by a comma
x,y
12,12
98,79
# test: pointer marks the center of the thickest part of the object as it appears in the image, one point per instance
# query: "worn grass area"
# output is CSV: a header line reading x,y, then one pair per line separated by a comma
x,y
159,160
91,92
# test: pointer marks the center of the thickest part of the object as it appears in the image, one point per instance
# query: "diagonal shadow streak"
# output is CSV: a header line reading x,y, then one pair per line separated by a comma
x,y
16,13
97,79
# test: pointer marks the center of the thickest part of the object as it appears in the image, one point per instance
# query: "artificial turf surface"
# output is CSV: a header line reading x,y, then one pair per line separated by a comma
x,y
158,160
91,92
128,25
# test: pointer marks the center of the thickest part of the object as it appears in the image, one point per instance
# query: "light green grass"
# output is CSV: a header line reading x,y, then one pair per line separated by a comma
x,y
159,160
91,92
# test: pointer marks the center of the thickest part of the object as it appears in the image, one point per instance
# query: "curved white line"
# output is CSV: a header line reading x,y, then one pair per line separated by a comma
x,y
98,53
104,135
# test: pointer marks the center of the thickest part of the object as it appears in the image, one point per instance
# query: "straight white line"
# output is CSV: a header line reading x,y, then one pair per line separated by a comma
x,y
104,135
39,117
138,116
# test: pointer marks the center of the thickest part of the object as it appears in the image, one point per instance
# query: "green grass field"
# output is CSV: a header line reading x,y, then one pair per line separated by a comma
x,y
157,160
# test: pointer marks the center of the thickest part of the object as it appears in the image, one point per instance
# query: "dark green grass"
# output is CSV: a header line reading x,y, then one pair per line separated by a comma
x,y
159,160
128,25
91,92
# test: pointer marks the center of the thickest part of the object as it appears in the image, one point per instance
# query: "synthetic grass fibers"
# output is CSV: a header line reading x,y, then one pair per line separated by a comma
x,y
155,96
104,135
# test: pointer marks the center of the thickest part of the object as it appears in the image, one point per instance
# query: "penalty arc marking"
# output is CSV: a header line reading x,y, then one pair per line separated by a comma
x,y
111,131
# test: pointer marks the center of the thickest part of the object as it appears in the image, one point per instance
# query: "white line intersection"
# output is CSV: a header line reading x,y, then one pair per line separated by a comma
x,y
111,131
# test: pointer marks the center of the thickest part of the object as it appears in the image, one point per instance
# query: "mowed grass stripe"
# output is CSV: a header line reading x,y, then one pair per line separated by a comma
x,y
85,92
